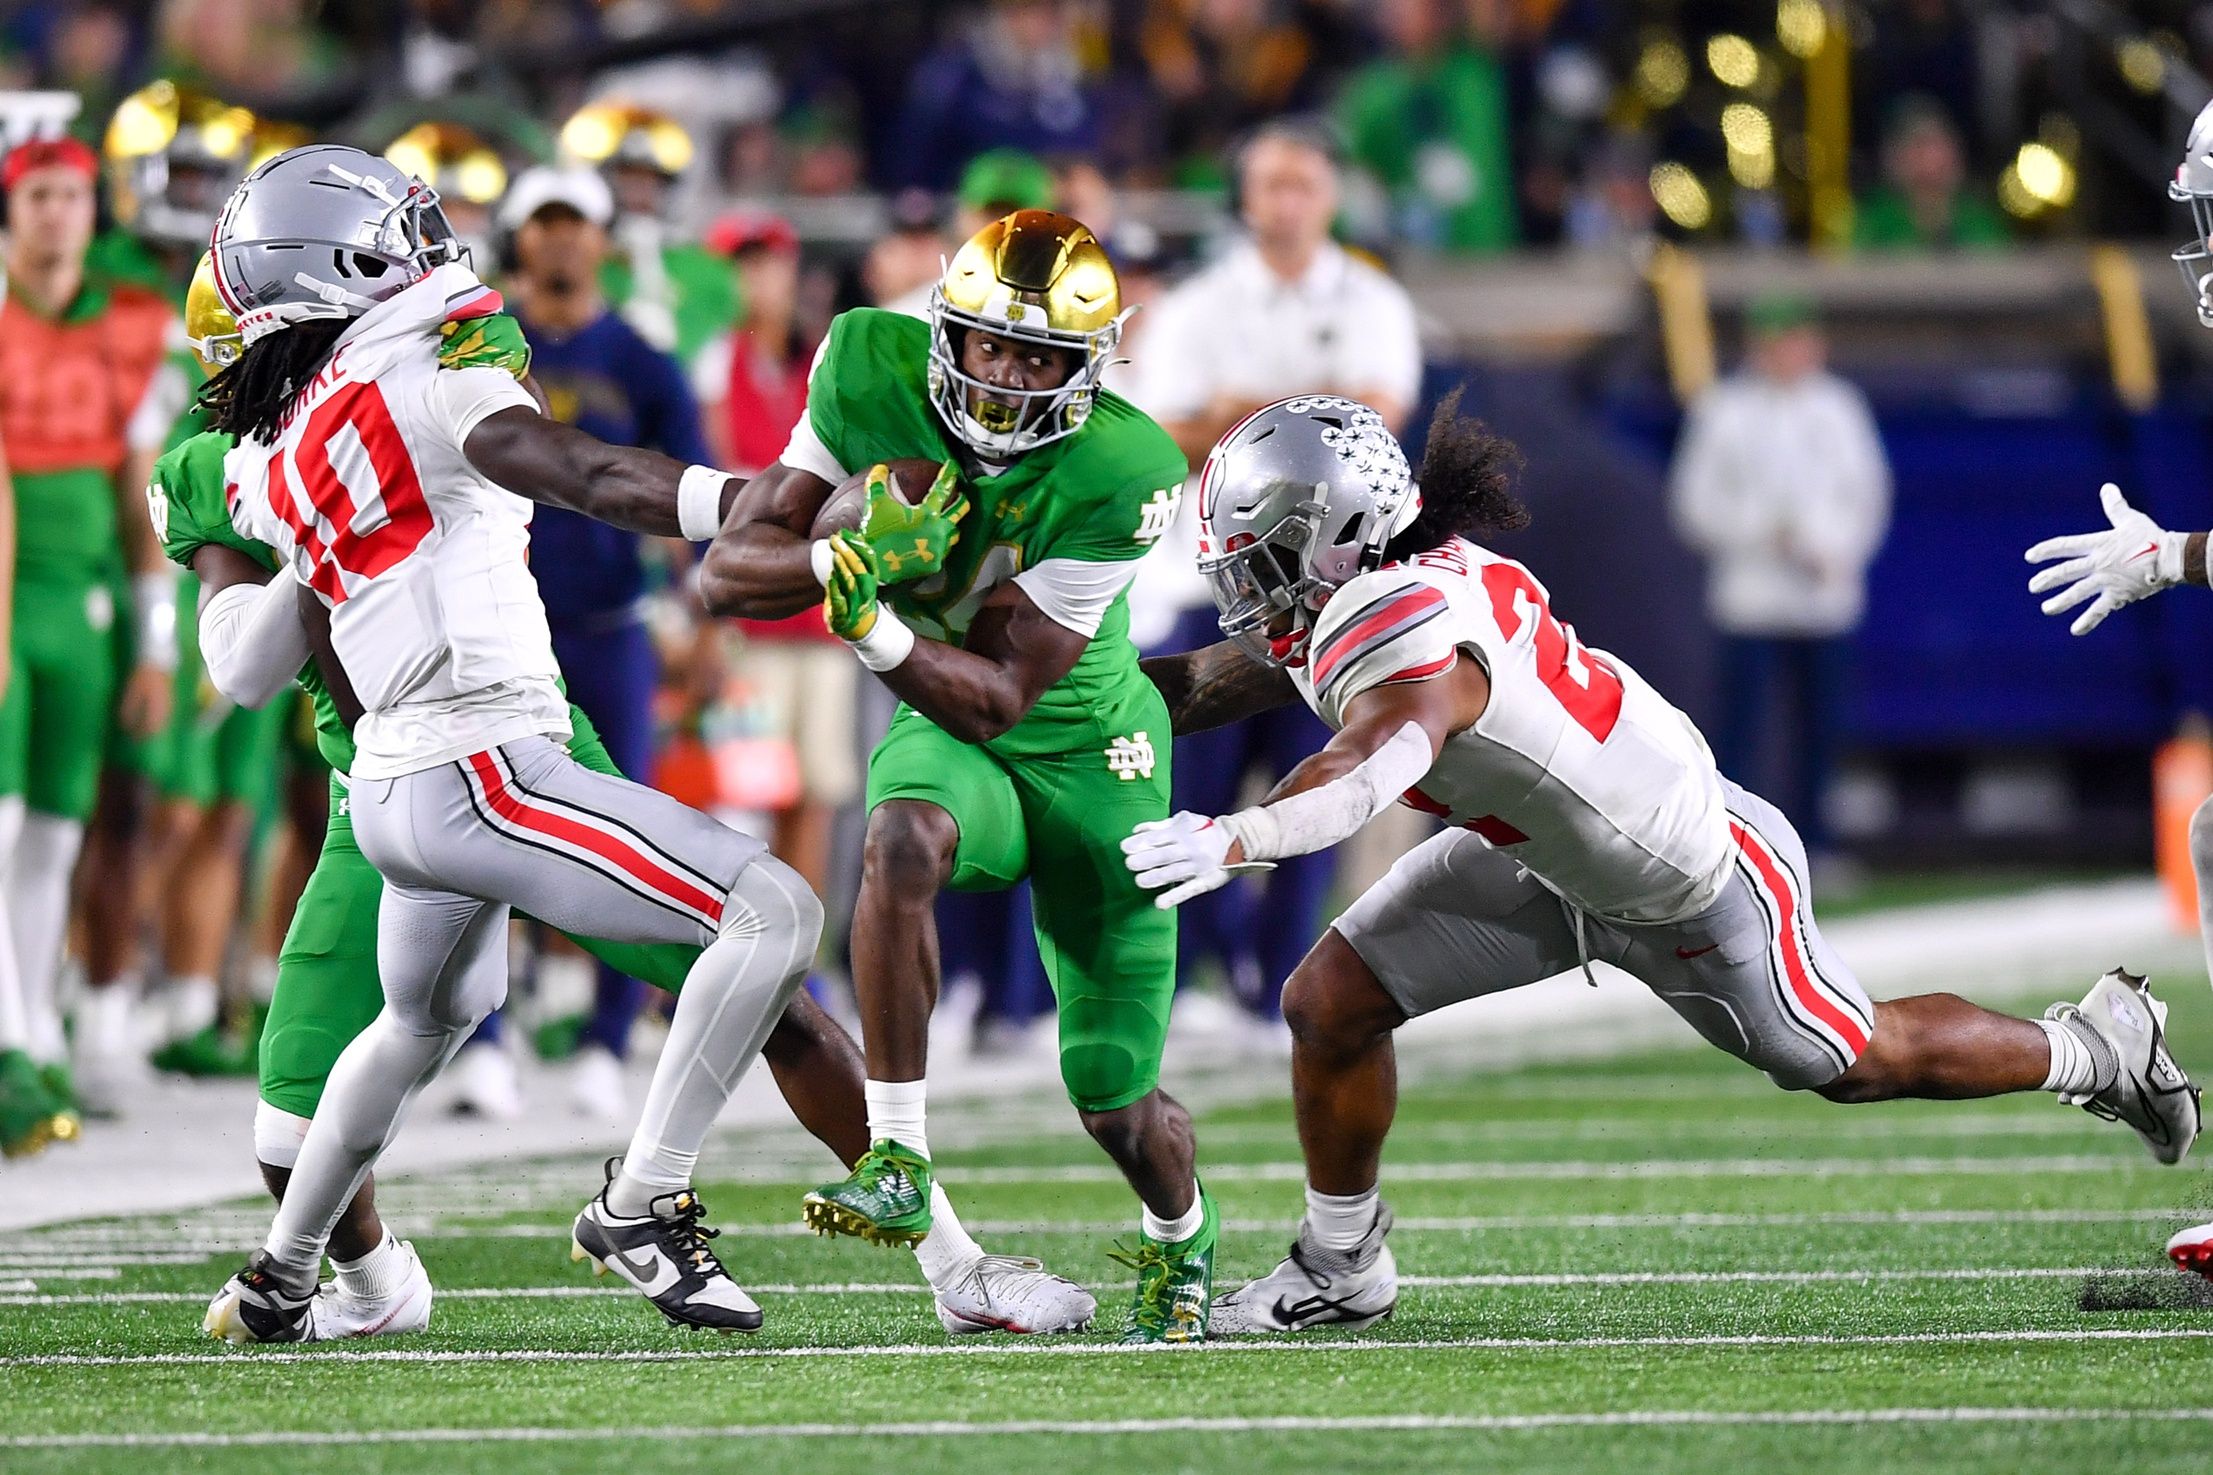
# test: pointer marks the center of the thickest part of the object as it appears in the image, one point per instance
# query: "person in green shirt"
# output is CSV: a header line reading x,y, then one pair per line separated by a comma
x,y
1924,202
1027,743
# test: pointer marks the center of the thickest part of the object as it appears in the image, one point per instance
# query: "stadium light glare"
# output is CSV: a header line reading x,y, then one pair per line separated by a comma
x,y
1751,140
1802,26
1680,196
2143,65
1662,72
1734,60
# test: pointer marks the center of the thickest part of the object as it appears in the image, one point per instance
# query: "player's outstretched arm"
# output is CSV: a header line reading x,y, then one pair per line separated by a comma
x,y
1216,685
1391,736
2110,569
761,565
640,490
251,635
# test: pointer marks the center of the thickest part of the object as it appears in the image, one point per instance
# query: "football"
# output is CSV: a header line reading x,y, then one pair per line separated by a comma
x,y
910,480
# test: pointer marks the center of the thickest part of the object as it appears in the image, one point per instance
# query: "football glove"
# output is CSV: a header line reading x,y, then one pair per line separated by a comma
x,y
1186,851
911,541
2117,567
849,599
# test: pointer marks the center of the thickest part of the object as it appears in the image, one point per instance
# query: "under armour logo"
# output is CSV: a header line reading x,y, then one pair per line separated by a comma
x,y
1158,515
1131,758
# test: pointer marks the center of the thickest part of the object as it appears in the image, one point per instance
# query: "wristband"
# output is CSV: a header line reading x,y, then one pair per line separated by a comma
x,y
2167,564
888,642
154,604
699,502
1256,832
821,558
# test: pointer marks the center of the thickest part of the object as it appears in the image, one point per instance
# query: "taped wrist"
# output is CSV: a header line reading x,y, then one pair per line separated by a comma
x,y
888,642
821,559
1324,816
2167,566
699,502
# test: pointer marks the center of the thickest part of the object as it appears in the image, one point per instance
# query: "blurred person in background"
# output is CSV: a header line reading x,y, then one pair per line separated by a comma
x,y
466,170
1014,80
81,420
676,293
994,184
909,256
598,373
1427,121
1781,483
1285,311
1220,68
1924,202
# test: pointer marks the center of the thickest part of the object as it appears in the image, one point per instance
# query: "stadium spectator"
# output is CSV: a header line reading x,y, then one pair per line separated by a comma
x,y
1781,482
994,184
1014,81
1924,202
909,256
1428,121
597,372
1286,311
1218,69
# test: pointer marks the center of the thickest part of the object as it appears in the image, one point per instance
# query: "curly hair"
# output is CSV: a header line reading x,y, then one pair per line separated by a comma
x,y
1466,477
251,397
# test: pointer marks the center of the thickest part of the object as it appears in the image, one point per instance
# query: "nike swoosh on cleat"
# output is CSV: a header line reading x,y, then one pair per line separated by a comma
x,y
1290,1312
655,1274
1686,953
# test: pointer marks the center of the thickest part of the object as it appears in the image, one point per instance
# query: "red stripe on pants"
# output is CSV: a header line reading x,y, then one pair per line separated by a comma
x,y
1795,963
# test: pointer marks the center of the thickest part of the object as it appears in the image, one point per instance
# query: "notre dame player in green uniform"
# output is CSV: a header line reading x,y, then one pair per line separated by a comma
x,y
327,983
1027,742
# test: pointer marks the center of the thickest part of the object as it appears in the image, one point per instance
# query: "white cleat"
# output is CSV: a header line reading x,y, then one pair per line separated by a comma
x,y
2192,1249
1315,1286
2149,1093
336,1313
485,1084
1013,1293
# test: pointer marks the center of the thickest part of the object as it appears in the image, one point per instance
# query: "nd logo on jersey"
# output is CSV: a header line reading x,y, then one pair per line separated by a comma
x,y
1131,758
1157,516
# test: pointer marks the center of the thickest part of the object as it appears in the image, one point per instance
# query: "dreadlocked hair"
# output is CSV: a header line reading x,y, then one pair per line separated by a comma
x,y
1466,479
249,399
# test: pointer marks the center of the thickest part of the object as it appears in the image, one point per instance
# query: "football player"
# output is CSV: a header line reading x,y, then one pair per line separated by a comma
x,y
1586,822
1027,742
2135,557
345,280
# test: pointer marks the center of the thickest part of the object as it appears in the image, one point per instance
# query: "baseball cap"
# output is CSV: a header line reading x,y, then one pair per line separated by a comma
x,y
1780,312
47,153
1006,179
582,190
747,230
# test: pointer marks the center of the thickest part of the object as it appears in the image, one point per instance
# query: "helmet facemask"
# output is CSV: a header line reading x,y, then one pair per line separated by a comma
x,y
1259,579
999,423
2195,256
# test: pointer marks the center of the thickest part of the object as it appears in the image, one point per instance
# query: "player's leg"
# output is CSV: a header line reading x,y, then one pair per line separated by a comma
x,y
30,1114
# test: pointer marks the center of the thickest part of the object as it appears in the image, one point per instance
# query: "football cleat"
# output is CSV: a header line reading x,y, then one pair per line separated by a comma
x,y
337,1313
665,1255
1317,1286
256,1306
2149,1091
1174,1283
1013,1293
2192,1249
884,1200
31,1116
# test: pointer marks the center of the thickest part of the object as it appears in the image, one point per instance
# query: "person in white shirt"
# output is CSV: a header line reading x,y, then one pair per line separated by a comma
x,y
1781,482
1285,311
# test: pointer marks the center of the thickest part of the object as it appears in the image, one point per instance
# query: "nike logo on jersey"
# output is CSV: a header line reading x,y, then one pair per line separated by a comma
x,y
1688,953
649,1271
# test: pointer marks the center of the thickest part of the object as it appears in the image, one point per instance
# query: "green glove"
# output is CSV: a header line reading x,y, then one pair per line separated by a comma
x,y
849,599
911,542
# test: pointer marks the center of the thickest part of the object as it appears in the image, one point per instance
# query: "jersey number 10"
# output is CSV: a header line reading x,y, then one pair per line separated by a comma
x,y
1585,684
355,412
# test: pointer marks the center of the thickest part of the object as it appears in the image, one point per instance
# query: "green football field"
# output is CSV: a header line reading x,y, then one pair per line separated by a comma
x,y
1654,1263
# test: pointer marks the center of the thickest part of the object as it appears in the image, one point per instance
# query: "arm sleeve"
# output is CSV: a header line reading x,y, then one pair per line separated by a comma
x,y
1076,592
1321,817
464,398
1383,627
252,639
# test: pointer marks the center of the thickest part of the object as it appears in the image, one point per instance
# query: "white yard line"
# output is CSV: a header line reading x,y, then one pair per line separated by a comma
x,y
1115,1349
1288,1423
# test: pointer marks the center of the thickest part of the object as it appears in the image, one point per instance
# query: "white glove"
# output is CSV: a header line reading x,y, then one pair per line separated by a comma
x,y
2134,558
1185,851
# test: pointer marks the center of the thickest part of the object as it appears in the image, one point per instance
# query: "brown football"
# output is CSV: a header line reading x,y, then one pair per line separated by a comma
x,y
910,481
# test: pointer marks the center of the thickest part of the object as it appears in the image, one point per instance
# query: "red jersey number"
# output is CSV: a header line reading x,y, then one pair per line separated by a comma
x,y
1585,684
322,498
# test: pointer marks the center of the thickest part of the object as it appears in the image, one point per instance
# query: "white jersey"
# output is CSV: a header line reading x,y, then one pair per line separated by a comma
x,y
1577,768
421,560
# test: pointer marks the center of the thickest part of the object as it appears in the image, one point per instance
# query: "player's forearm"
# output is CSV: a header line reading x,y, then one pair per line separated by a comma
x,y
759,571
2193,561
1328,797
629,487
1216,685
973,698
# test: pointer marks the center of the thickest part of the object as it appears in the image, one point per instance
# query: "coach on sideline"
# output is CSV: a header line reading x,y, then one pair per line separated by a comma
x,y
1285,311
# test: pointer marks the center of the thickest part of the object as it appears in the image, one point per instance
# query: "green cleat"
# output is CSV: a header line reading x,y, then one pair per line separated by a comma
x,y
30,1116
56,1079
222,1049
1175,1283
884,1200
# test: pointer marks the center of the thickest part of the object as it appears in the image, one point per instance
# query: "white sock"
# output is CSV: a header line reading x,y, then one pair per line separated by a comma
x,y
1340,1221
38,909
948,1249
190,1005
2075,1067
732,998
261,979
895,1111
375,1275
1175,1231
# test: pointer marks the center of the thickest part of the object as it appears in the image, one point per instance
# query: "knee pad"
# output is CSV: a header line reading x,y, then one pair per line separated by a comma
x,y
1103,1075
278,1135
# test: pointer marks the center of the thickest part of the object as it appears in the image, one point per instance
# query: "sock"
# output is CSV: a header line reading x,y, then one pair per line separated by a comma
x,y
895,1111
191,1005
38,908
1340,1221
948,1249
261,979
108,1020
1175,1231
732,998
2079,1067
375,1275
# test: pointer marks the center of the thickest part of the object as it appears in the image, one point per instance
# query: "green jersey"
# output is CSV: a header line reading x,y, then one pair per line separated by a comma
x,y
699,288
190,504
1102,496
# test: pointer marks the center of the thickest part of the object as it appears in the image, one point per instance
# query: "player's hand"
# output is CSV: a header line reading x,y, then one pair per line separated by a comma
x,y
1192,853
911,541
849,599
144,706
2117,567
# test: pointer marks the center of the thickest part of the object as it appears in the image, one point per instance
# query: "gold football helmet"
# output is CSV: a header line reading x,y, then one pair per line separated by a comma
x,y
208,324
1039,278
608,134
174,154
452,159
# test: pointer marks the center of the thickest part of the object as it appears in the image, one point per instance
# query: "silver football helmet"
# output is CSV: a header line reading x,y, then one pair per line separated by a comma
x,y
325,232
2193,186
1300,497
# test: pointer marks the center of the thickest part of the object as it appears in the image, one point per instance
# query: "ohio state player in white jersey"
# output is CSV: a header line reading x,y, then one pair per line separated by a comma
x,y
1587,823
